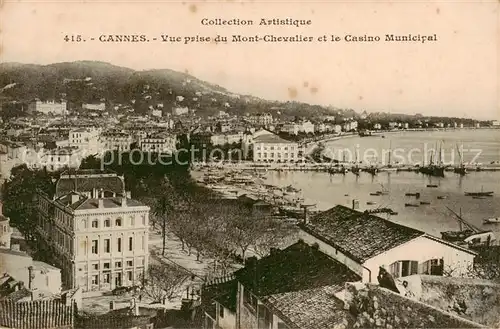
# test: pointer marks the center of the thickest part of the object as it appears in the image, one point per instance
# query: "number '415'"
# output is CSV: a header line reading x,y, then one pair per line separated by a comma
x,y
73,38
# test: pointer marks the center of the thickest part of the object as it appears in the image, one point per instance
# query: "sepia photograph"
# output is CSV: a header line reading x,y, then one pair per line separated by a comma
x,y
249,164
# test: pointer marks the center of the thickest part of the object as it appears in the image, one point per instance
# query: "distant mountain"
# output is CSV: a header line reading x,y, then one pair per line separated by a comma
x,y
91,81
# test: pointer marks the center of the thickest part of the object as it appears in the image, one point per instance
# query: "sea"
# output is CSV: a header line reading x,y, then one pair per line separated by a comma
x,y
479,147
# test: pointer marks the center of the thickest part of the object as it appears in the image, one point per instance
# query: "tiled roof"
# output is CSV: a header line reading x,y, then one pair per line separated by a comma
x,y
296,268
114,321
310,309
224,293
39,314
87,184
359,235
271,138
108,203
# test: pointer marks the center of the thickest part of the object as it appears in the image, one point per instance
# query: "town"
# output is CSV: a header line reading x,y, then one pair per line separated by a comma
x,y
108,220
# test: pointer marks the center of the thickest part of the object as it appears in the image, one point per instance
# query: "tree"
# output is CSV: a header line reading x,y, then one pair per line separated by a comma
x,y
19,194
164,281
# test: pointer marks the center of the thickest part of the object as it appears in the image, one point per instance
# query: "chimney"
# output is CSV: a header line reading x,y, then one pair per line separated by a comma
x,y
128,194
306,216
355,204
100,203
31,277
124,202
94,193
74,198
111,305
251,262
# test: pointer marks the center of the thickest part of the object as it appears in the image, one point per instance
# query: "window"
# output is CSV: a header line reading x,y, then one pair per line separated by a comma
x,y
250,300
132,221
107,278
118,222
130,276
119,244
105,265
118,264
107,245
95,279
95,266
130,243
143,245
95,223
107,223
221,311
95,247
143,219
403,268
130,263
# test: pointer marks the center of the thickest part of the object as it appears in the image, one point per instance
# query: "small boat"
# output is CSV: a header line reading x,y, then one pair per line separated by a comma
x,y
375,193
424,202
479,197
371,203
411,205
493,220
489,193
346,194
442,197
456,236
393,213
382,192
432,185
417,195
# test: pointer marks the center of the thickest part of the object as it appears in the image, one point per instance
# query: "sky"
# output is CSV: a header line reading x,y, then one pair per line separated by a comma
x,y
457,75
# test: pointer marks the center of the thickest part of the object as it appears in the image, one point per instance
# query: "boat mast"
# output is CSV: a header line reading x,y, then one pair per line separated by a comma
x,y
390,152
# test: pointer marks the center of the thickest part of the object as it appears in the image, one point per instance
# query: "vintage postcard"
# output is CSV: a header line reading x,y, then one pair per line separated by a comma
x,y
249,164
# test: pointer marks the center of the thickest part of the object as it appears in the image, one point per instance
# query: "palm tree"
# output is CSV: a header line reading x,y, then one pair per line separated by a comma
x,y
161,208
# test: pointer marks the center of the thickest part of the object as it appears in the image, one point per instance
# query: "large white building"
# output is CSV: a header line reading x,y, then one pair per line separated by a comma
x,y
164,144
377,242
94,231
86,140
117,141
272,148
56,108
94,107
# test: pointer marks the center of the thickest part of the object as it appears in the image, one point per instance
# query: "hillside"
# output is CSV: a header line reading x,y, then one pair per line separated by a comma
x,y
90,81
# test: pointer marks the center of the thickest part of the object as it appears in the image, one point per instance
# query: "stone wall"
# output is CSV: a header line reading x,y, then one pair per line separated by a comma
x,y
473,299
375,307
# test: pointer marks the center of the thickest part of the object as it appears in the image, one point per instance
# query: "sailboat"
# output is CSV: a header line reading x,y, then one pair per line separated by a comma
x,y
482,193
460,169
355,169
389,163
433,169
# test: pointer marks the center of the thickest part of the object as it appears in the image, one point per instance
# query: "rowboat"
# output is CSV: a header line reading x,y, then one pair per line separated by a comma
x,y
493,220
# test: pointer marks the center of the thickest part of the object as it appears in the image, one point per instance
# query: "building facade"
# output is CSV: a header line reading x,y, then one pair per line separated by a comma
x,y
159,144
85,139
272,148
116,141
96,233
56,108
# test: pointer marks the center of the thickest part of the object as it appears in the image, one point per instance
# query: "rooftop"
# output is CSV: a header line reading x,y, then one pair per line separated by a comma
x,y
87,180
93,203
298,267
299,284
271,139
359,235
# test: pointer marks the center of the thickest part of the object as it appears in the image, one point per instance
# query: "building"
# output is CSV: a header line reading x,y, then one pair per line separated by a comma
x,y
377,126
294,128
261,119
495,123
272,148
86,140
54,313
116,141
164,144
57,159
376,242
297,287
5,230
56,108
94,107
94,231
350,126
180,110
